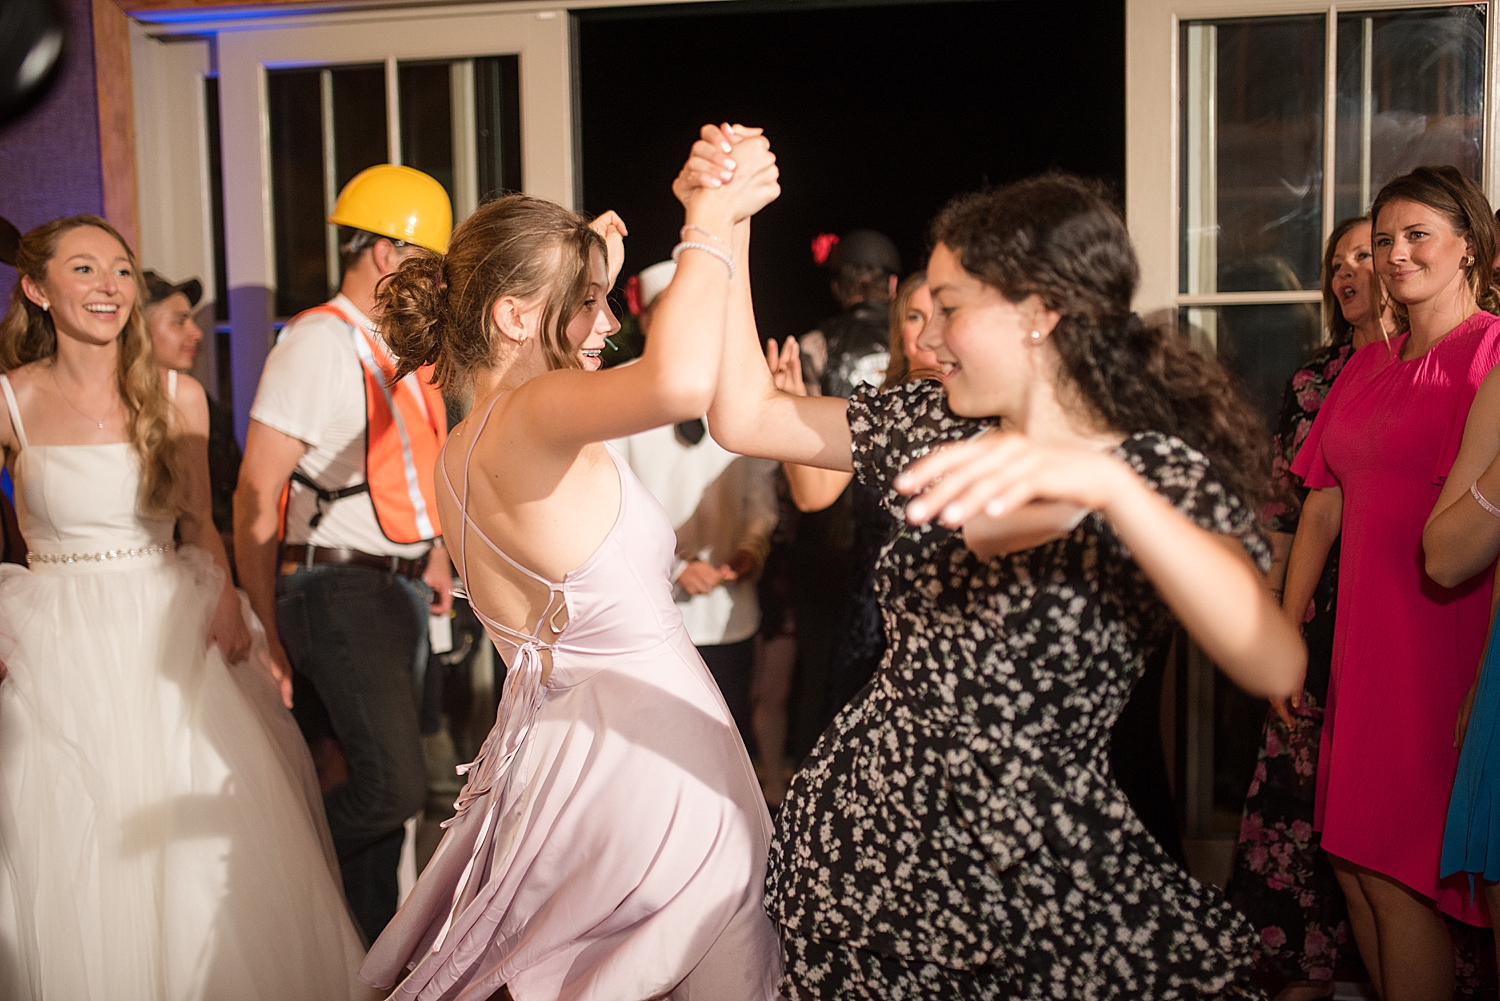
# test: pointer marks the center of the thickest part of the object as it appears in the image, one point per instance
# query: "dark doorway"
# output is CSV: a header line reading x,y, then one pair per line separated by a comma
x,y
878,114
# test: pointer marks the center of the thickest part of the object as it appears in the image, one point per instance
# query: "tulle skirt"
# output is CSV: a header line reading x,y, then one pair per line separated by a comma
x,y
161,832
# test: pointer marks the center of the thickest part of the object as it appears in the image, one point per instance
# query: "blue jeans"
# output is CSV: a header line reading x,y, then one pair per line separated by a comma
x,y
354,636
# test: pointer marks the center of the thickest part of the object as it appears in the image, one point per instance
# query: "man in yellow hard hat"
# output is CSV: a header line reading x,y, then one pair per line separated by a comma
x,y
336,530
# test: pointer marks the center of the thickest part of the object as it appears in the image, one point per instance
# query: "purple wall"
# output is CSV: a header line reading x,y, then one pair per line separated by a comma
x,y
49,157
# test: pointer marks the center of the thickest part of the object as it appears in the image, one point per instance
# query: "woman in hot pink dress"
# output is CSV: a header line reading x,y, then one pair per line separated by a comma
x,y
1405,648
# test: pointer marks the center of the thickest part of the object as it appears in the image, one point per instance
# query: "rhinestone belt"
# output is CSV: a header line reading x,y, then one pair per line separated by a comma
x,y
100,557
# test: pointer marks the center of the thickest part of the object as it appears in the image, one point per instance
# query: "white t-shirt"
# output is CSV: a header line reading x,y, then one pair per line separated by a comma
x,y
313,389
718,502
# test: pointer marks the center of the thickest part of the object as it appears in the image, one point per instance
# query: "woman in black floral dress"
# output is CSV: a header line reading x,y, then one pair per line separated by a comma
x,y
956,832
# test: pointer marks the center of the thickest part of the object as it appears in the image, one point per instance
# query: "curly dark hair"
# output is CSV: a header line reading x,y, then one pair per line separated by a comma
x,y
1060,238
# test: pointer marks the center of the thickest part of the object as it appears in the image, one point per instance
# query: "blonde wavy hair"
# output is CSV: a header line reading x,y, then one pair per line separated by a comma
x,y
27,335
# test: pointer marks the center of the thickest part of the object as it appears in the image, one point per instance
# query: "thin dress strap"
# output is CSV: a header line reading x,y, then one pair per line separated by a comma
x,y
15,411
555,591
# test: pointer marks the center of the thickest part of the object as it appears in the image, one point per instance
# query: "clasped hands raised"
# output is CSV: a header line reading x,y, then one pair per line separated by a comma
x,y
730,162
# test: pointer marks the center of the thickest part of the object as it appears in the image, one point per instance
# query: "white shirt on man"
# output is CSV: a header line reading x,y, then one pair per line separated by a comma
x,y
718,502
313,389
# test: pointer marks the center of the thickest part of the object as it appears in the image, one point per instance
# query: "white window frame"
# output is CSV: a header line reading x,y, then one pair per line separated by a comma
x,y
171,59
1153,157
171,129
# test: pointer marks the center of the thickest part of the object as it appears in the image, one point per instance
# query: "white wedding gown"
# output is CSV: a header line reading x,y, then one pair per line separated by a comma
x,y
161,833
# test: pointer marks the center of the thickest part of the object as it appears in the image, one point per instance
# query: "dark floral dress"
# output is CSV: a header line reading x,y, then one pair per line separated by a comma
x,y
956,832
1281,879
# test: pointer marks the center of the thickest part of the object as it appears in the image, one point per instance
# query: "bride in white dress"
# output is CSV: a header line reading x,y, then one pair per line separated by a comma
x,y
161,833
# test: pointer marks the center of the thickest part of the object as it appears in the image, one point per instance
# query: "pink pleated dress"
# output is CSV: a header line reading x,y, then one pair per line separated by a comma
x,y
611,842
1405,650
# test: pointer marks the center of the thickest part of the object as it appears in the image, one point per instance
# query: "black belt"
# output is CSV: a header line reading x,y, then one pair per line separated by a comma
x,y
294,558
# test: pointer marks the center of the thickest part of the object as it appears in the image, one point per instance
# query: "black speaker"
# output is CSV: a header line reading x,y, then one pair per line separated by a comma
x,y
33,34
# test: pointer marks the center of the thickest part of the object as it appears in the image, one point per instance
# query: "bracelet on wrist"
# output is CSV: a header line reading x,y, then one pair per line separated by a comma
x,y
1492,509
707,249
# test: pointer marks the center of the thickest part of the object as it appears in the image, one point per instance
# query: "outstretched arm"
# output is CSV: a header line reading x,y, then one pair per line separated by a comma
x,y
749,414
1207,579
1462,538
674,379
812,488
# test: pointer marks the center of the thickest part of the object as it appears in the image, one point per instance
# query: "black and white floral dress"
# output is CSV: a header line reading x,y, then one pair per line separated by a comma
x,y
956,832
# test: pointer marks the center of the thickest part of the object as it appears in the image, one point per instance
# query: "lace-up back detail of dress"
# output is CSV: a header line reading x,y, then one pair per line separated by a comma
x,y
610,840
616,605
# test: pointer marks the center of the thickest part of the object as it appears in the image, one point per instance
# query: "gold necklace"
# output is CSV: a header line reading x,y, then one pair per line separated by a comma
x,y
61,392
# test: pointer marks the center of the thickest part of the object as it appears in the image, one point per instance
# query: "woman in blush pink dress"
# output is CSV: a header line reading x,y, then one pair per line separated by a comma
x,y
610,844
1405,648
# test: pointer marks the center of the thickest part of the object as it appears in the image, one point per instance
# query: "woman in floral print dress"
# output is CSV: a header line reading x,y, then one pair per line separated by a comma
x,y
956,832
1281,880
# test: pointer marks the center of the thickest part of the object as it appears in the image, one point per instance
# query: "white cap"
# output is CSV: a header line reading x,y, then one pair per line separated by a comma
x,y
654,280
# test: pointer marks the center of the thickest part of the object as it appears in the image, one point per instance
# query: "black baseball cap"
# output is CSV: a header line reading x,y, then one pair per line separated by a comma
x,y
158,288
866,248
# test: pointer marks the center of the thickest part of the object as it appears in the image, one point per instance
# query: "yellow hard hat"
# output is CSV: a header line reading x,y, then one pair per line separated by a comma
x,y
399,203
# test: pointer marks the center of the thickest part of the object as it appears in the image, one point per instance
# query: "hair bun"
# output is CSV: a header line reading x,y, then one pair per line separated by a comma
x,y
414,311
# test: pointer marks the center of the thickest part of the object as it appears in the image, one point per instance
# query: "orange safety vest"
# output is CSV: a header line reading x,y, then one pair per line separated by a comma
x,y
405,426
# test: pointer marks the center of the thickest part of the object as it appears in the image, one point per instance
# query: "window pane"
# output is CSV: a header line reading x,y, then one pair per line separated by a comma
x,y
1252,164
1410,92
427,120
297,196
1261,345
359,133
497,113
216,198
359,141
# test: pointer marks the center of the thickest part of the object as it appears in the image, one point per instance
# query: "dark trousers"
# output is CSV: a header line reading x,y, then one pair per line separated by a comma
x,y
354,636
732,664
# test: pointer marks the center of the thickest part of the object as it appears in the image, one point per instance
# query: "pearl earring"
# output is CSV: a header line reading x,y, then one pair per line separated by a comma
x,y
46,306
1036,335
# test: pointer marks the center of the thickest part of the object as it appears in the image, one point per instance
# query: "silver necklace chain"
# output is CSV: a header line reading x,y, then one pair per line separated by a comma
x,y
63,393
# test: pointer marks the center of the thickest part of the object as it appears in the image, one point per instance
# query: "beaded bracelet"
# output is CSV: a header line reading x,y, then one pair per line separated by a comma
x,y
1492,509
707,249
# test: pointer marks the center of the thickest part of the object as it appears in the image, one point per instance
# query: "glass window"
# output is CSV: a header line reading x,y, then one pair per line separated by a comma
x,y
1252,160
216,197
497,124
1261,344
1410,92
297,208
427,120
459,121
358,126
